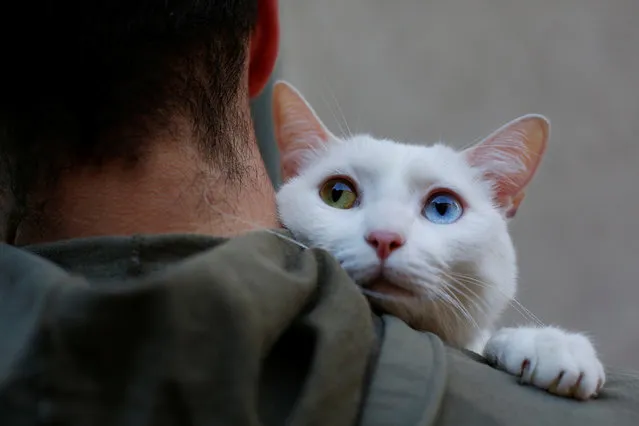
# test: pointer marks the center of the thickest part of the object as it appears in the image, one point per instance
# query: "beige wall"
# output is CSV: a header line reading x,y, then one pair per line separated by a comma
x,y
457,69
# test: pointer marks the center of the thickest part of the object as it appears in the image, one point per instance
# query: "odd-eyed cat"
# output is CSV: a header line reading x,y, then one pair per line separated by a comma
x,y
423,231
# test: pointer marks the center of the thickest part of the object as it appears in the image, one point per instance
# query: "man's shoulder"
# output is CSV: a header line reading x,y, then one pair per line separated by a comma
x,y
207,321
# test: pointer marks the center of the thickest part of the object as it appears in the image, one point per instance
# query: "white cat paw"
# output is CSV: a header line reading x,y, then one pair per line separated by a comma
x,y
563,363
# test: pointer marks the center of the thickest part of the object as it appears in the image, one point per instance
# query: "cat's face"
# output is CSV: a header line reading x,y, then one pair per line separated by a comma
x,y
398,213
417,227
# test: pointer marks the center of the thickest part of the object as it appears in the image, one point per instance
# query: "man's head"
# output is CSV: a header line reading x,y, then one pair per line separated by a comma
x,y
108,83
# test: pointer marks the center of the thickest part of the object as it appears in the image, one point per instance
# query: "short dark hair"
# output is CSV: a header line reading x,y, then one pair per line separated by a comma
x,y
85,82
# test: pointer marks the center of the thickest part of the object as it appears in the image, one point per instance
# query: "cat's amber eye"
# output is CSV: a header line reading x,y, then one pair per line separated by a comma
x,y
339,193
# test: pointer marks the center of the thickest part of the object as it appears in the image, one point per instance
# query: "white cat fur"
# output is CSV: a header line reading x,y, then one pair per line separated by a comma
x,y
464,274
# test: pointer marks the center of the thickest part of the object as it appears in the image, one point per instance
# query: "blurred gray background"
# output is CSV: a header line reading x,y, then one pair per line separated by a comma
x,y
455,70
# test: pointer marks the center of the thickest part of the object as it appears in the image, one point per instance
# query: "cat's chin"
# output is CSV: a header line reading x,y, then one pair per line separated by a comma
x,y
386,287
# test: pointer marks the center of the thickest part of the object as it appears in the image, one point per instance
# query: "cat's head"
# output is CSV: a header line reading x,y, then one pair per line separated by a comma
x,y
425,223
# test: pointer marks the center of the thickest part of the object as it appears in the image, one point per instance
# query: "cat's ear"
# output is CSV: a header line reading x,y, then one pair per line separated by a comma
x,y
509,158
298,130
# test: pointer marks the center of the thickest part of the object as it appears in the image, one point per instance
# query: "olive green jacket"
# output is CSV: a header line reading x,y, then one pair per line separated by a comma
x,y
193,330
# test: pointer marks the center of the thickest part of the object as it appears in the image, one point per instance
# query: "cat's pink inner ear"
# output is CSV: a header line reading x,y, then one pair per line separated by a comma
x,y
298,130
510,157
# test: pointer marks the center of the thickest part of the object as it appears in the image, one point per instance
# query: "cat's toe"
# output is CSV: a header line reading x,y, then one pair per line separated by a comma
x,y
513,351
591,380
565,384
592,375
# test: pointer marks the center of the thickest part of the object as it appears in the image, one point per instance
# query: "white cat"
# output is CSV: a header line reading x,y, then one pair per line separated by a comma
x,y
423,231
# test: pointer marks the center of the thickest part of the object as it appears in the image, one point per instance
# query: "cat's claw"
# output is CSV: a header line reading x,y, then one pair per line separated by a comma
x,y
563,363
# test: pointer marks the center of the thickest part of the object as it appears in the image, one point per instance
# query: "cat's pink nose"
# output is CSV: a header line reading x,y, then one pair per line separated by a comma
x,y
384,242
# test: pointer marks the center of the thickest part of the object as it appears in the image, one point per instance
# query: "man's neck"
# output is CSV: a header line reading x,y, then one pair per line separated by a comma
x,y
171,191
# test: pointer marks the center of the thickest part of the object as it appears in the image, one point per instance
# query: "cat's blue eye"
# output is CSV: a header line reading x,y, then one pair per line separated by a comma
x,y
443,208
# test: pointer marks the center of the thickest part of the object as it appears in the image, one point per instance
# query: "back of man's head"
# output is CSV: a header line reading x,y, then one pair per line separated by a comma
x,y
89,83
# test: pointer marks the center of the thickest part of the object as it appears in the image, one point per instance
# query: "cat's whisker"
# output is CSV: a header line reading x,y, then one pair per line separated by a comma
x,y
523,148
525,312
465,280
340,123
472,143
471,318
447,325
612,384
341,112
439,313
337,120
344,255
450,308
459,305
474,300
257,227
285,238
521,309
633,374
427,292
443,289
